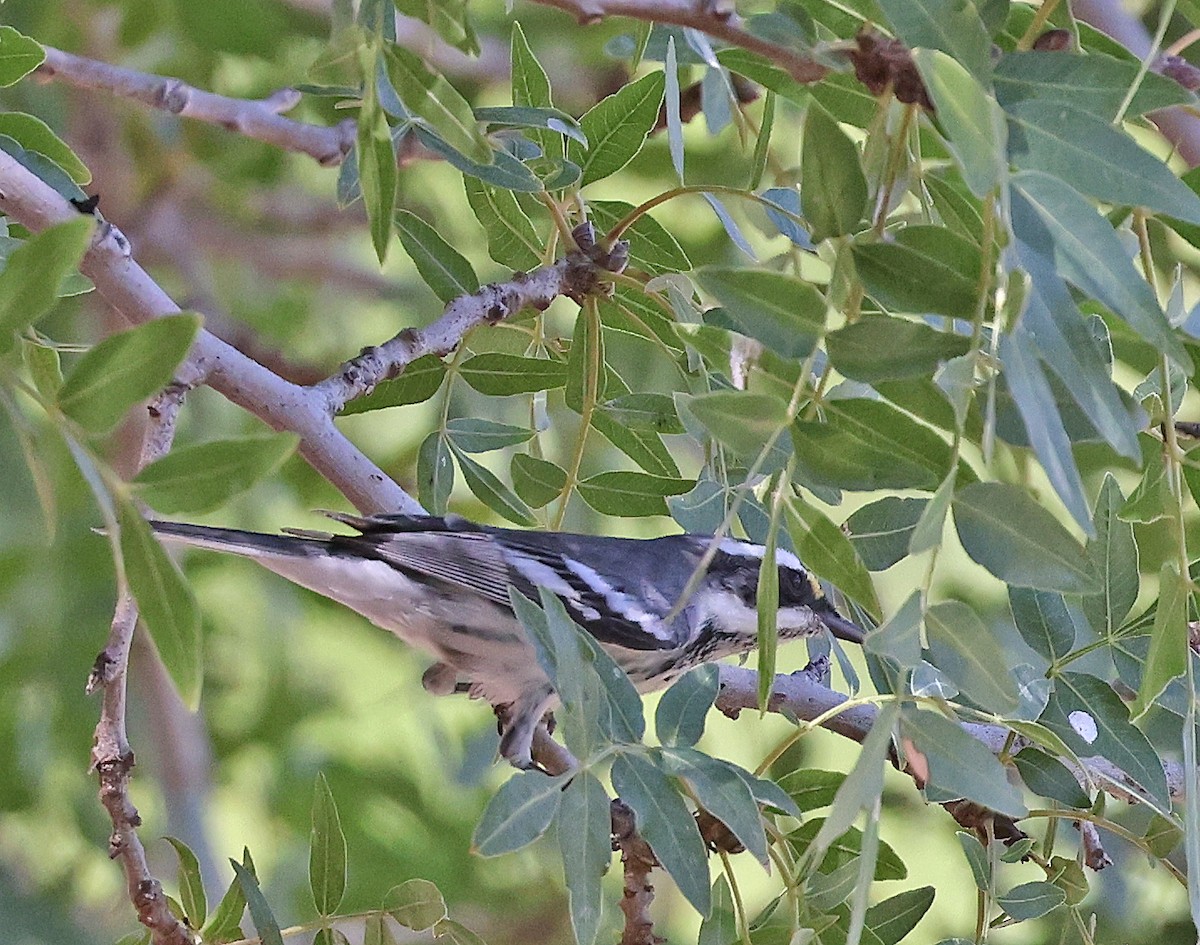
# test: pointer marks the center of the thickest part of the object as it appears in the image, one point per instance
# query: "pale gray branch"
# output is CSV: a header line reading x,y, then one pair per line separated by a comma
x,y
258,119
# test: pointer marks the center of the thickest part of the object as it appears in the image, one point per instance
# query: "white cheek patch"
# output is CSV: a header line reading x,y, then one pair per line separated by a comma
x,y
1084,725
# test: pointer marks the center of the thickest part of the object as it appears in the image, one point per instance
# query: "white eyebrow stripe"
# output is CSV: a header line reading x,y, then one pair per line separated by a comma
x,y
744,549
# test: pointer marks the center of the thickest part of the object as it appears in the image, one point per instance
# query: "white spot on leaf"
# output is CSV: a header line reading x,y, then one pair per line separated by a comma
x,y
1084,725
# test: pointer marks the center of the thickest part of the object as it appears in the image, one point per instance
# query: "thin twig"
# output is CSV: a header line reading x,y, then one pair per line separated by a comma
x,y
254,118
638,860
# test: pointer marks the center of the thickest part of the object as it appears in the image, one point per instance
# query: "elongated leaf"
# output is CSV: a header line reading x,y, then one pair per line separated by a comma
x,y
1091,719
165,601
1031,900
963,648
491,491
420,381
1035,400
435,473
33,272
899,637
974,126
679,719
1049,777
651,245
887,922
327,851
417,904
1056,223
833,189
19,55
1169,652
191,884
631,494
1114,555
474,435
1005,530
224,925
537,481
1096,158
442,267
585,840
885,349
1096,84
654,413
845,850
723,794
35,135
671,105
586,368
663,820
124,369
953,26
812,788
428,96
377,173
1046,621
868,445
739,420
958,763
721,925
926,269
518,814
512,240
501,374
203,477
617,126
260,912
531,87
785,313
825,548
880,532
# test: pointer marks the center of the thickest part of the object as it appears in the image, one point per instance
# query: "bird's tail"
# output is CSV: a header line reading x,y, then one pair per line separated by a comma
x,y
234,541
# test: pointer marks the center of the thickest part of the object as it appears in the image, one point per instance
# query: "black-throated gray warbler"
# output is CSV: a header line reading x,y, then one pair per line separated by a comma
x,y
442,584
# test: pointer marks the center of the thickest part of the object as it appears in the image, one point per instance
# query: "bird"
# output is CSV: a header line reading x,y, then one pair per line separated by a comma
x,y
441,584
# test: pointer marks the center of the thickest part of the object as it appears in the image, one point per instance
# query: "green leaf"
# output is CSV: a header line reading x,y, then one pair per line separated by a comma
x,y
651,413
519,813
1095,83
191,884
884,349
260,912
631,494
44,366
766,598
927,269
899,638
974,124
1057,224
953,26
428,96
1091,719
1031,900
846,849
442,267
435,473
742,421
417,904
785,313
958,763
671,108
224,925
327,851
420,381
1162,835
512,240
33,272
19,55
34,134
977,858
473,435
375,930
1019,541
833,189
586,368
927,533
455,933
643,447
1046,621
448,18
125,369
868,445
537,481
585,841
721,925
1069,876
963,648
824,548
880,532
665,823
498,375
616,128
531,88
1168,656
812,788
1046,776
491,491
722,793
165,601
679,719
1114,556
203,477
377,174
889,921
1096,158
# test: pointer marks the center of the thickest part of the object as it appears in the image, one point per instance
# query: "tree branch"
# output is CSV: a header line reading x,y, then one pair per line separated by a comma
x,y
638,860
260,119
714,17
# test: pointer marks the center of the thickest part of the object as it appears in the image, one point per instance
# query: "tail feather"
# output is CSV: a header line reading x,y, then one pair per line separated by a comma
x,y
234,541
